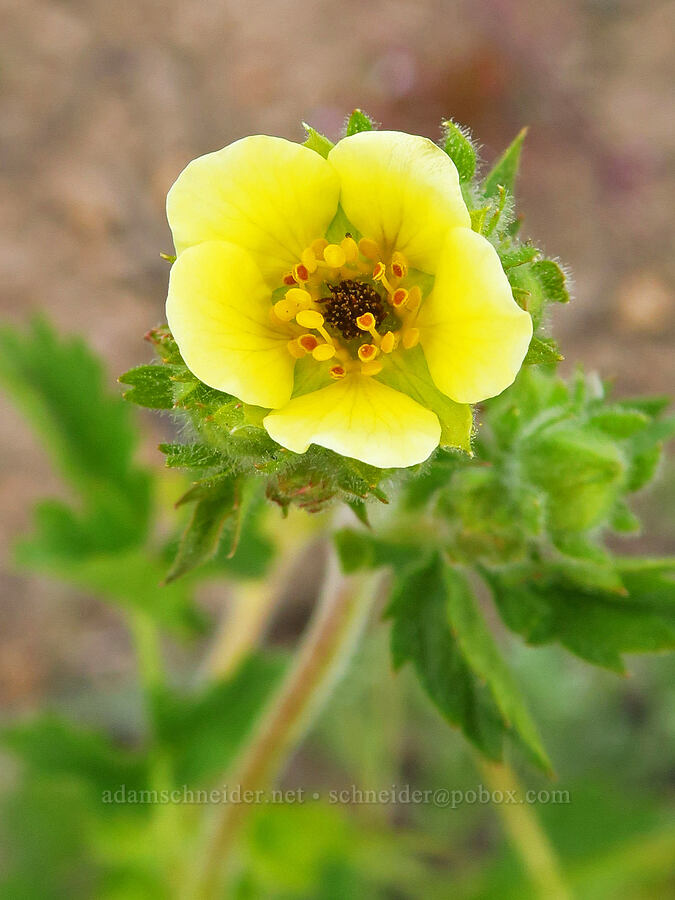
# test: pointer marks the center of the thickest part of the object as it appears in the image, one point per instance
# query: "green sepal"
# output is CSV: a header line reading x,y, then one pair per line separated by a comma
x,y
552,279
458,145
152,386
191,456
505,169
317,141
214,518
358,121
542,351
410,375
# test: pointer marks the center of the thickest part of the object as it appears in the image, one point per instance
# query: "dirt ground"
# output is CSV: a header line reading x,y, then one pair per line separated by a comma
x,y
102,104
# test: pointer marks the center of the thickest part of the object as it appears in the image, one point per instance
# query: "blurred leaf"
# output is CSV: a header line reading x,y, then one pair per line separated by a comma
x,y
362,550
131,579
459,147
59,385
358,121
505,169
216,514
202,732
317,141
54,746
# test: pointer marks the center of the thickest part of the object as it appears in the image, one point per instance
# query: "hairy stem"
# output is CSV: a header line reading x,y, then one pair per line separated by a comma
x,y
323,654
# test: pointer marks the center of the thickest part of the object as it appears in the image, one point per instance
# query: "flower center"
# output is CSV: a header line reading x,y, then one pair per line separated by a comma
x,y
349,300
339,298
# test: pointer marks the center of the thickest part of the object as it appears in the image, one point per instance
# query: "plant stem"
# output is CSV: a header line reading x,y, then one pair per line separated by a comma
x,y
324,652
526,834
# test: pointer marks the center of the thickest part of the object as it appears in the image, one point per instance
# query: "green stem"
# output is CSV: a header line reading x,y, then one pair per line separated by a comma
x,y
148,652
526,834
324,652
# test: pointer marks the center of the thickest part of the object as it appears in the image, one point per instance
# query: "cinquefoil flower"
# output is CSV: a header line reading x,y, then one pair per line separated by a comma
x,y
347,295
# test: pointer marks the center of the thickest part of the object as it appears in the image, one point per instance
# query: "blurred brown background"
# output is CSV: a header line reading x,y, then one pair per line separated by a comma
x,y
103,103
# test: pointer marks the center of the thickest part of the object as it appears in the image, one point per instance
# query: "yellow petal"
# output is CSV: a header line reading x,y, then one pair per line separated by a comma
x,y
218,311
400,190
474,334
268,195
358,417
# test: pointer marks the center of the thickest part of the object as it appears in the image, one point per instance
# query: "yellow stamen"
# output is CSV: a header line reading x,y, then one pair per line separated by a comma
x,y
371,368
308,342
411,337
285,309
301,298
389,342
318,246
366,321
367,352
350,247
323,352
337,372
399,298
309,318
380,274
414,298
309,260
334,256
369,248
300,272
296,350
399,265
289,279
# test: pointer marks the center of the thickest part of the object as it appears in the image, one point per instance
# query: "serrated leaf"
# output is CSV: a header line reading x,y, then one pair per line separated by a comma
x,y
151,386
191,456
598,626
216,507
421,635
542,351
505,169
201,733
459,147
552,280
482,654
359,121
317,141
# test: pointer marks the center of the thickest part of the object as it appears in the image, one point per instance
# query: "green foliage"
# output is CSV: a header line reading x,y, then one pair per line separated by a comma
x,y
436,626
458,145
317,141
505,169
358,121
201,732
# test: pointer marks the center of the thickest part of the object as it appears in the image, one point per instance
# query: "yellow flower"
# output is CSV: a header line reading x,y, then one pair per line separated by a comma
x,y
347,295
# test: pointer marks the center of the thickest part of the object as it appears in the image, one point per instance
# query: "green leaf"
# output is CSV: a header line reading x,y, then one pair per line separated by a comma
x,y
544,605
202,732
216,507
421,635
59,385
191,456
131,579
505,169
542,351
358,121
317,141
619,422
459,147
54,746
482,654
410,375
552,280
521,255
361,550
151,386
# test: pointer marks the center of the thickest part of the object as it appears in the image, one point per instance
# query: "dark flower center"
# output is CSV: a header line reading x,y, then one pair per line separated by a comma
x,y
349,300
